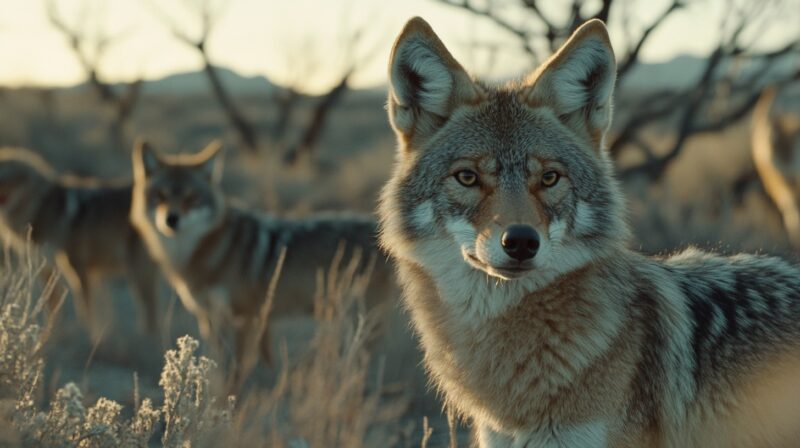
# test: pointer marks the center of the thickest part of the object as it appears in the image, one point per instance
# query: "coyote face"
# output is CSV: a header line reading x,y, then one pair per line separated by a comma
x,y
515,176
517,200
180,196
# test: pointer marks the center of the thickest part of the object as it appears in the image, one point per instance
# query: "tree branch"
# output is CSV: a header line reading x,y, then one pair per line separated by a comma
x,y
123,103
244,129
632,57
309,140
523,35
691,125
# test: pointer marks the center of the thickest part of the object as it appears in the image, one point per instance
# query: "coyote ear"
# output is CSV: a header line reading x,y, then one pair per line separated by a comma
x,y
212,160
145,159
425,82
577,82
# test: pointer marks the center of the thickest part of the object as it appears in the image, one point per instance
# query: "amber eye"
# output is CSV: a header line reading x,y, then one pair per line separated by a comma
x,y
550,178
467,178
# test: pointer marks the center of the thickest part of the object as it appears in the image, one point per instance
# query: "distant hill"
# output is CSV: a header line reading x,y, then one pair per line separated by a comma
x,y
677,73
684,70
192,83
197,82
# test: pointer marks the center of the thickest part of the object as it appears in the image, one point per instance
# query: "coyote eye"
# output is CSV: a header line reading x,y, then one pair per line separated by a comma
x,y
550,178
467,178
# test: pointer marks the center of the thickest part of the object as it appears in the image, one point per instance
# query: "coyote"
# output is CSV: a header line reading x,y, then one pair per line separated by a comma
x,y
776,153
81,224
220,258
536,320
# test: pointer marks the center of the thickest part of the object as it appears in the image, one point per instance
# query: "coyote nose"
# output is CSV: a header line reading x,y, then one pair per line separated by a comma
x,y
172,221
520,242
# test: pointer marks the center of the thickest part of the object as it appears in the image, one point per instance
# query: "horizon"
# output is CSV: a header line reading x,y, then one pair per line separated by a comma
x,y
256,38
258,76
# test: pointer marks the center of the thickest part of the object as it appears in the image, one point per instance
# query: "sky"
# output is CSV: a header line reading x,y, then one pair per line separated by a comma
x,y
302,42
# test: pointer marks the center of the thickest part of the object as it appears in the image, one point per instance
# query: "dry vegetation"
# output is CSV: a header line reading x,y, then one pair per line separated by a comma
x,y
327,395
330,383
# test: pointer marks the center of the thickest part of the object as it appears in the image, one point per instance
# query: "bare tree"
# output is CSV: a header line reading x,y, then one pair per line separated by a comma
x,y
90,51
313,131
310,136
208,16
286,99
691,106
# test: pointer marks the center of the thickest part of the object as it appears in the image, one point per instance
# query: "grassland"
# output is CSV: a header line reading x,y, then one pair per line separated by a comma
x,y
331,383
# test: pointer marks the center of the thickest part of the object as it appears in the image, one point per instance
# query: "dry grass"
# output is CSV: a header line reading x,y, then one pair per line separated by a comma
x,y
188,412
325,397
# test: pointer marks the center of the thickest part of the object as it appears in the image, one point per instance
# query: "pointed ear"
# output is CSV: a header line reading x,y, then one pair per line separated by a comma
x,y
145,159
577,82
425,82
212,160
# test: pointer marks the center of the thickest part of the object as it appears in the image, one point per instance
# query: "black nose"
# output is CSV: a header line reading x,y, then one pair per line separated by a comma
x,y
172,221
520,242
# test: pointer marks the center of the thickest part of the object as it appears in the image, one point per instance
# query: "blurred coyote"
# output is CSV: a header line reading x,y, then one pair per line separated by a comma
x,y
81,224
220,258
536,320
776,152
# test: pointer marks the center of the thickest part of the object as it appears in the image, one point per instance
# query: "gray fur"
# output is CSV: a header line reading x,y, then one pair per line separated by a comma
x,y
594,342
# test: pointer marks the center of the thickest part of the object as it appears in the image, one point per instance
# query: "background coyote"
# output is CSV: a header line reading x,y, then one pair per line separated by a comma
x,y
537,322
776,152
81,224
220,258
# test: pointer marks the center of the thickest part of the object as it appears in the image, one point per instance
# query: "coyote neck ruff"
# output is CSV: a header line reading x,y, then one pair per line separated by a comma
x,y
536,320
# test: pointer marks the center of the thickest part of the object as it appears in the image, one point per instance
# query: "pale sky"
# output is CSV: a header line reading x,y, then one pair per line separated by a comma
x,y
301,41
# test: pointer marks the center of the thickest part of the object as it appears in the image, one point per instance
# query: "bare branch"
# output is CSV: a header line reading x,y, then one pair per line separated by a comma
x,y
553,33
691,124
243,127
319,117
655,112
533,6
697,98
632,57
286,100
605,10
523,35
656,167
123,103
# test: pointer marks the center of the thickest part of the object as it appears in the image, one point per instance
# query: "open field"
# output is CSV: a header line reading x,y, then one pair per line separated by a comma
x,y
329,383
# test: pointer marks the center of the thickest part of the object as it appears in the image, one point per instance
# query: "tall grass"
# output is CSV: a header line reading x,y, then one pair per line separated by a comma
x,y
324,397
64,420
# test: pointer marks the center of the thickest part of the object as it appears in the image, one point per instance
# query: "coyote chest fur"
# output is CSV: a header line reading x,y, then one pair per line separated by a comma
x,y
537,322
